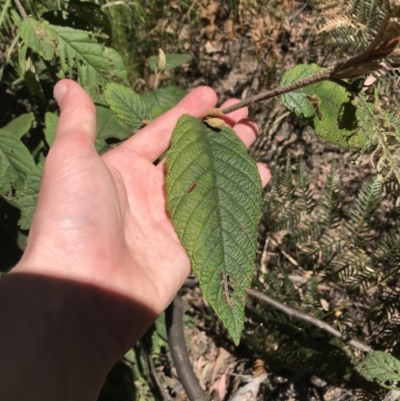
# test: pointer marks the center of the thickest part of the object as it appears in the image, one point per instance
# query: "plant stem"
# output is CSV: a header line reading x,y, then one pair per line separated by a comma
x,y
21,9
156,78
307,318
299,315
325,74
179,353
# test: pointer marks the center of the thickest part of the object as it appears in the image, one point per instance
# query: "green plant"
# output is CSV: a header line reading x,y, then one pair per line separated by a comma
x,y
381,367
208,186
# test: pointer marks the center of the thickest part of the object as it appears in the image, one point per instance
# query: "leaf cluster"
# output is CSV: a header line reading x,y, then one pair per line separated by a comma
x,y
348,117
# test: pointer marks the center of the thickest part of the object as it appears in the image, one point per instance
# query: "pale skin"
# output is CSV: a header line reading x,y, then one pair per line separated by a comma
x,y
103,259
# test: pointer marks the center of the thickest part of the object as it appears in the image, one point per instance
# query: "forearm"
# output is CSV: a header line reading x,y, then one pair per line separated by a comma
x,y
54,342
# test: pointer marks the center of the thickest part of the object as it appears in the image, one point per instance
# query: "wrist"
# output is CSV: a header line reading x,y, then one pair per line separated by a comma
x,y
47,345
110,323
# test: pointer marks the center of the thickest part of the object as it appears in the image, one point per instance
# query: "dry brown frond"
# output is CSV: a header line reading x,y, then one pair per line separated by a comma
x,y
337,23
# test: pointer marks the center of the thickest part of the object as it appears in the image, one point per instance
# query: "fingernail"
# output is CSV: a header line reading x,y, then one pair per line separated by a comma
x,y
59,91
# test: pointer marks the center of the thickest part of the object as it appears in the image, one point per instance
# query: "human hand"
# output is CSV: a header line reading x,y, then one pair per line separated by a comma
x,y
102,220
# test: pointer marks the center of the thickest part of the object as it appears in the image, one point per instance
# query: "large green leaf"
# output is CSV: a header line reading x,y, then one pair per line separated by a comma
x,y
15,162
20,125
173,60
110,126
126,104
159,101
78,51
326,107
214,200
27,196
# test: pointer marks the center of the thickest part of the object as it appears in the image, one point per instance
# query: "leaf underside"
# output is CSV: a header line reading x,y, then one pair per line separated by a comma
x,y
214,200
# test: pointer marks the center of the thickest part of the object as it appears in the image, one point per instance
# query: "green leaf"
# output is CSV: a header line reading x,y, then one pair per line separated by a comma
x,y
126,104
110,126
117,67
20,125
214,200
382,368
37,36
27,196
159,101
173,60
96,64
51,123
326,107
15,162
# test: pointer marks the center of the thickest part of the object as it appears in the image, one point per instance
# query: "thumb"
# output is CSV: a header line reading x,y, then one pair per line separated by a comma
x,y
77,123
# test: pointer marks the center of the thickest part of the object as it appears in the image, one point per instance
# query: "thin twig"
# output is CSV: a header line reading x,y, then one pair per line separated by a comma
x,y
286,255
21,9
307,318
318,77
158,387
179,353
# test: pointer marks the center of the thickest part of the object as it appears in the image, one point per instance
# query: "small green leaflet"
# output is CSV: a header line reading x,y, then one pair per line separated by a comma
x,y
50,122
126,104
214,198
382,368
20,125
15,162
326,107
